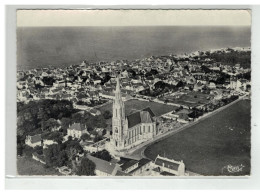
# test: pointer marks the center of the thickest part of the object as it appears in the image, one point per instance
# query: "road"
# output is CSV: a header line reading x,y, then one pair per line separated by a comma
x,y
138,152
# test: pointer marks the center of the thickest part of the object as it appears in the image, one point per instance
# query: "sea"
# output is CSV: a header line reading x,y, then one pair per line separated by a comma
x,y
40,47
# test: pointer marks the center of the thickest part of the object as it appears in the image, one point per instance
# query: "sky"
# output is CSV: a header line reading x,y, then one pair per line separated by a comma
x,y
49,18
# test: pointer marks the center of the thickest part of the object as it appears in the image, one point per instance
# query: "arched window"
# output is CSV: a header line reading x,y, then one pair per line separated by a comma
x,y
116,130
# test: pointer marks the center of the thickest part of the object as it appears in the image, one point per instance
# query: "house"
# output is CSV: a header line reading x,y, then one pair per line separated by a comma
x,y
34,140
135,167
241,84
182,115
47,142
168,167
95,112
64,170
190,80
217,94
212,85
105,168
129,165
76,130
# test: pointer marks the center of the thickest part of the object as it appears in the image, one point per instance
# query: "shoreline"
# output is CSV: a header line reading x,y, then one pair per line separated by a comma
x,y
94,63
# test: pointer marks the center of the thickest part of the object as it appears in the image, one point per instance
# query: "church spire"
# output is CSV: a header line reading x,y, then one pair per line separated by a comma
x,y
118,97
117,84
118,120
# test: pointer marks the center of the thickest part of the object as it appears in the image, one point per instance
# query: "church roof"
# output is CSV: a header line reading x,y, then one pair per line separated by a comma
x,y
142,116
150,111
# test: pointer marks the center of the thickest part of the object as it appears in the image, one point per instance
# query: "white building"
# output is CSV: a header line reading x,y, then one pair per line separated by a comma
x,y
76,130
105,168
34,140
166,167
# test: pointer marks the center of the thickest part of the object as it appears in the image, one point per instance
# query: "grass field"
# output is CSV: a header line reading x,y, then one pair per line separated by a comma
x,y
191,99
135,104
28,166
212,144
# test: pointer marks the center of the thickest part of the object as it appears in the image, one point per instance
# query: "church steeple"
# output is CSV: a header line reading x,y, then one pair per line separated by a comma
x,y
118,120
118,97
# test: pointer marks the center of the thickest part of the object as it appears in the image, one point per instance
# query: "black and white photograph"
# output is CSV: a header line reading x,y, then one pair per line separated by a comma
x,y
128,93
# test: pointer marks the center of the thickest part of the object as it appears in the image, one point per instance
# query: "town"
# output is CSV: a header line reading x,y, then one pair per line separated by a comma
x,y
66,116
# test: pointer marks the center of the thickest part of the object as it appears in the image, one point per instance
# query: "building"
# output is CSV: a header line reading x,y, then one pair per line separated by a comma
x,y
131,130
168,167
94,112
105,168
34,140
76,130
133,167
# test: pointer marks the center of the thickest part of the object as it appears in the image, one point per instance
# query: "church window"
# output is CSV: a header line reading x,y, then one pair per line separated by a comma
x,y
116,130
149,128
116,112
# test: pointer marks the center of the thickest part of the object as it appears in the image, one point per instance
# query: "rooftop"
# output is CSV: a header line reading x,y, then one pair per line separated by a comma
x,y
104,166
168,163
77,126
142,116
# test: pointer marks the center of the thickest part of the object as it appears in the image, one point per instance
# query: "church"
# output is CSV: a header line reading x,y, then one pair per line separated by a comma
x,y
131,130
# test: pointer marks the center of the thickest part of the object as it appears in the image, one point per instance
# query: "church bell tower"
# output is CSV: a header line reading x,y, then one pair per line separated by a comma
x,y
118,120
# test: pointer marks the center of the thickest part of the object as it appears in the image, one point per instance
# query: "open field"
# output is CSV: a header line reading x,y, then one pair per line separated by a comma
x,y
28,166
192,99
135,104
211,145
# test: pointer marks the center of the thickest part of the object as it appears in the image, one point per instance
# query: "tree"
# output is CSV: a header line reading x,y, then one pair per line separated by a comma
x,y
65,122
55,136
77,118
49,124
104,132
85,137
70,138
107,114
104,154
48,81
19,149
86,168
28,151
97,138
51,155
180,84
90,129
38,149
62,159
